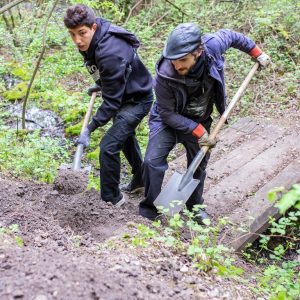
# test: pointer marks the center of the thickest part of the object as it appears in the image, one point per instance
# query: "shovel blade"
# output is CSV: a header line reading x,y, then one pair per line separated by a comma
x,y
86,170
171,198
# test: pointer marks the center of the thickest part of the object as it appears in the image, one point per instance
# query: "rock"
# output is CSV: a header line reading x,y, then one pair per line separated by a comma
x,y
41,297
184,269
18,294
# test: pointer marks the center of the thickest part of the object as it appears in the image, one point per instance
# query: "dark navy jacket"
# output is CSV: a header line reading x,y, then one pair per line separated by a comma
x,y
114,64
170,87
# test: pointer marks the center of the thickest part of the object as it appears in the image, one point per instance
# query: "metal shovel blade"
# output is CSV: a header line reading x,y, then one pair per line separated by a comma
x,y
172,198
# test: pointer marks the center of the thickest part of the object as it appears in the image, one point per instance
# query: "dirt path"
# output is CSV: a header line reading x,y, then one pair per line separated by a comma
x,y
73,246
65,255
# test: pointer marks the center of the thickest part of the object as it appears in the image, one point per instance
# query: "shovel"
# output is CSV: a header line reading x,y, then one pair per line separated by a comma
x,y
73,178
181,186
79,150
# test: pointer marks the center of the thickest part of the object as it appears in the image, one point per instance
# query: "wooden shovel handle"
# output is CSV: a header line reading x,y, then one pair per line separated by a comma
x,y
88,112
79,150
198,158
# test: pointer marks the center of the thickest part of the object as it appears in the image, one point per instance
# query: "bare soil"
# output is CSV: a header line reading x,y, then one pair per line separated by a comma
x,y
73,249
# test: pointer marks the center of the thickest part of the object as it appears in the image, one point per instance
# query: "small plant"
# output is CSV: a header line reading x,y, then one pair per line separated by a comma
x,y
281,282
10,233
76,240
202,247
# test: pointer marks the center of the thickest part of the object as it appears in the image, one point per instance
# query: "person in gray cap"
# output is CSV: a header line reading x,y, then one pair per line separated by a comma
x,y
189,81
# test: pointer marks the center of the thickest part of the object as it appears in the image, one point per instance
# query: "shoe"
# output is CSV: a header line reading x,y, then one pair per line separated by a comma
x,y
150,214
200,215
133,187
121,201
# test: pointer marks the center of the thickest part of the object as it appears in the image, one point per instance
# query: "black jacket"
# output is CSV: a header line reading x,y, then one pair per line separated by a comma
x,y
114,64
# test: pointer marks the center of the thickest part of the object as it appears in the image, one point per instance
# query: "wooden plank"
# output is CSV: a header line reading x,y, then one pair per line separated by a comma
x,y
223,198
259,225
255,144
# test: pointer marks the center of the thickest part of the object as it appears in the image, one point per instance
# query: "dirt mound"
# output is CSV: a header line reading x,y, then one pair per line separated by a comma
x,y
71,182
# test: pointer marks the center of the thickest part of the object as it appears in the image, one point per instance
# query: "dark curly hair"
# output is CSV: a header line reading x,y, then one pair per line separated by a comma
x,y
79,15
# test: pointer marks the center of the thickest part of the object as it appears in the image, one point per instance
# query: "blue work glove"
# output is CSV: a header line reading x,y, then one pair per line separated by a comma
x,y
94,88
84,138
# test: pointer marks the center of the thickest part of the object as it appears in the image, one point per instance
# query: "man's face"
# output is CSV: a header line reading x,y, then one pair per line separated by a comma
x,y
82,36
184,64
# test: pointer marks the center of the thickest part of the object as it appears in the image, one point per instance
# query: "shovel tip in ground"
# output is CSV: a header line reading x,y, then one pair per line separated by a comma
x,y
172,198
71,182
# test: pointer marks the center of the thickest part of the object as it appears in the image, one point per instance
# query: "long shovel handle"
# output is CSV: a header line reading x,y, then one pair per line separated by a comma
x,y
79,149
200,155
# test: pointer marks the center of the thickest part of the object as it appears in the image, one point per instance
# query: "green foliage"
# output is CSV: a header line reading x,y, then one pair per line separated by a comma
x,y
290,199
94,182
30,155
281,282
281,279
10,234
202,247
17,93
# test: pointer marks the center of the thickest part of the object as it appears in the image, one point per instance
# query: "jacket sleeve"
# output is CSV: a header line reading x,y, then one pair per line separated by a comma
x,y
113,76
227,38
166,106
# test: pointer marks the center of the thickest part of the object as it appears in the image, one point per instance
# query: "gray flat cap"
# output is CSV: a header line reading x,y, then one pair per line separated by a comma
x,y
183,40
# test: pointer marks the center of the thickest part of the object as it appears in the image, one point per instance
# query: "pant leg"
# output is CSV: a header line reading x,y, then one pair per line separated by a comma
x,y
154,167
131,148
132,152
113,142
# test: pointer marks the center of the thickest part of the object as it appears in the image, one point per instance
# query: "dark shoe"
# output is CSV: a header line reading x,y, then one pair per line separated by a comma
x,y
200,215
121,201
133,187
148,213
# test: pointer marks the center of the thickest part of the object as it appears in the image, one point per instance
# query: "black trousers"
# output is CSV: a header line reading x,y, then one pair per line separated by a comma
x,y
121,137
155,165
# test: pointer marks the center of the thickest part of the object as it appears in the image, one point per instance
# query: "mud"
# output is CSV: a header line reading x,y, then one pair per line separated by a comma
x,y
71,182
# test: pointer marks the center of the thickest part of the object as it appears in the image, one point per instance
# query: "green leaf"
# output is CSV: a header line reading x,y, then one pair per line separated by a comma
x,y
272,195
19,241
287,201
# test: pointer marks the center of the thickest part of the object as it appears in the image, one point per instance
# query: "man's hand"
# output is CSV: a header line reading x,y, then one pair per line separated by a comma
x,y
263,59
204,140
84,138
94,88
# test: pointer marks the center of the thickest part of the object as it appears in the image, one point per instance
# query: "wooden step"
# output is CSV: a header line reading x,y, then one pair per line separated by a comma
x,y
255,212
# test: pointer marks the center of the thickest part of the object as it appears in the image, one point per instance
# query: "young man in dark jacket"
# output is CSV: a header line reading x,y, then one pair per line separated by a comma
x,y
110,55
189,81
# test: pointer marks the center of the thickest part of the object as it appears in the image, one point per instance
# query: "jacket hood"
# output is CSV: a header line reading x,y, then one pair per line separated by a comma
x,y
104,27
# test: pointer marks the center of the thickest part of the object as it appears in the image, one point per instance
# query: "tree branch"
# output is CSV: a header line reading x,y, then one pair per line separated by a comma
x,y
37,64
10,5
131,10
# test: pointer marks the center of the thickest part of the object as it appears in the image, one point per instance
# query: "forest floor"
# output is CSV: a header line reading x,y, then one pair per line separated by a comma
x,y
74,246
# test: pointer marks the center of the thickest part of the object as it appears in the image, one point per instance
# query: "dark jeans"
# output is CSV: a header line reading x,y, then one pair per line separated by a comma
x,y
121,137
155,165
